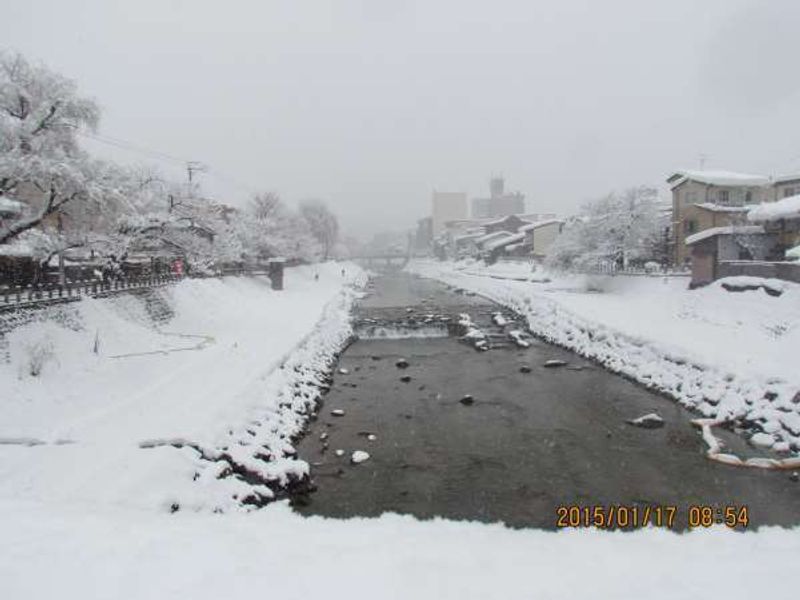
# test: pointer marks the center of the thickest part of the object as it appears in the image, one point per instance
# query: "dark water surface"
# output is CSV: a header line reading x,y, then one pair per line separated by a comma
x,y
531,442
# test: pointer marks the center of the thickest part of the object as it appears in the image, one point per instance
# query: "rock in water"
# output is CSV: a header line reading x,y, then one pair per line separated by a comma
x,y
467,400
323,436
405,378
337,412
339,452
343,371
499,319
372,437
648,421
554,362
359,456
401,364
524,369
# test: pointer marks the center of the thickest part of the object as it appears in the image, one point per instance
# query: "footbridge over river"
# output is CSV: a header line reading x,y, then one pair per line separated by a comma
x,y
385,261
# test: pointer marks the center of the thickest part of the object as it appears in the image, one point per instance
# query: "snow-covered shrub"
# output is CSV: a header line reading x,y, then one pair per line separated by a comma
x,y
37,354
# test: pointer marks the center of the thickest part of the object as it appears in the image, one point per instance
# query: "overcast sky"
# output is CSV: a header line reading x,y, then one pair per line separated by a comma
x,y
372,104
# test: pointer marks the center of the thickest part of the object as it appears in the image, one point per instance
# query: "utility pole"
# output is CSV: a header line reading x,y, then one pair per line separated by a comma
x,y
193,167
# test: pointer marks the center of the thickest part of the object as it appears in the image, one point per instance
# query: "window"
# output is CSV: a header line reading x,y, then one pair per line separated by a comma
x,y
689,226
788,192
748,197
724,196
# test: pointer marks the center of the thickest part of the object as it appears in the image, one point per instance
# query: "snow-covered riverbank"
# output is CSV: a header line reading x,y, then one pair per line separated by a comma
x,y
125,412
729,355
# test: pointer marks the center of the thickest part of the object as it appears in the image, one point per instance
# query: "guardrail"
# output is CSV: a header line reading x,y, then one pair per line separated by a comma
x,y
15,295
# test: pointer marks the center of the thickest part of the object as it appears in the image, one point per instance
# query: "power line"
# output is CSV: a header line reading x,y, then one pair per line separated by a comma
x,y
191,165
126,145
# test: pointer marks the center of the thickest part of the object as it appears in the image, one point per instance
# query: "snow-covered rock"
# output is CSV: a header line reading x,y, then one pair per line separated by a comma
x,y
555,362
648,421
359,456
499,319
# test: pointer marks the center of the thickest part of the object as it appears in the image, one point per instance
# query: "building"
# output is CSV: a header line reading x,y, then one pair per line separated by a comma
x,y
781,219
764,247
712,248
540,236
786,186
447,206
499,203
703,200
423,238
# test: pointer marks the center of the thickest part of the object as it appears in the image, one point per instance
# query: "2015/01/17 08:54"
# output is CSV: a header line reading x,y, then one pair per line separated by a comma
x,y
617,516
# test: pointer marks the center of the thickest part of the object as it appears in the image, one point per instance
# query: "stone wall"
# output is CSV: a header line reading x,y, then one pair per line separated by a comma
x,y
772,270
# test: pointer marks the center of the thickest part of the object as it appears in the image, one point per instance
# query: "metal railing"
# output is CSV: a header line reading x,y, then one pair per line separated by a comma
x,y
74,290
12,296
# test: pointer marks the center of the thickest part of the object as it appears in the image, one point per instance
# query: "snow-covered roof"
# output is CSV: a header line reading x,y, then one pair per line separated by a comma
x,y
722,208
793,253
539,224
491,236
467,236
726,178
11,207
787,178
16,248
500,220
786,208
726,230
500,243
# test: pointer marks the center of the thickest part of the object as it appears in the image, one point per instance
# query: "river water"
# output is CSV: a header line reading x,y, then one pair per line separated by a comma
x,y
534,438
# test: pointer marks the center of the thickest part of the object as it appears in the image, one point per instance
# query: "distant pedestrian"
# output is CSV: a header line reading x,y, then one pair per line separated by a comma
x,y
342,272
316,276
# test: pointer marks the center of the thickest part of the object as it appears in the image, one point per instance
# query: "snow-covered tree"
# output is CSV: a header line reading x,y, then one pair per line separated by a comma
x,y
272,229
323,224
55,198
616,230
41,163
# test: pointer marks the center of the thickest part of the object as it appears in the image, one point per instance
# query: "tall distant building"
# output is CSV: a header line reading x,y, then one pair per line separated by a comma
x,y
499,203
448,206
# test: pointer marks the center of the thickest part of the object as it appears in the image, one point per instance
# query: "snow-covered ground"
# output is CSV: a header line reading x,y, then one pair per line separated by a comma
x,y
62,552
730,355
102,427
86,485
